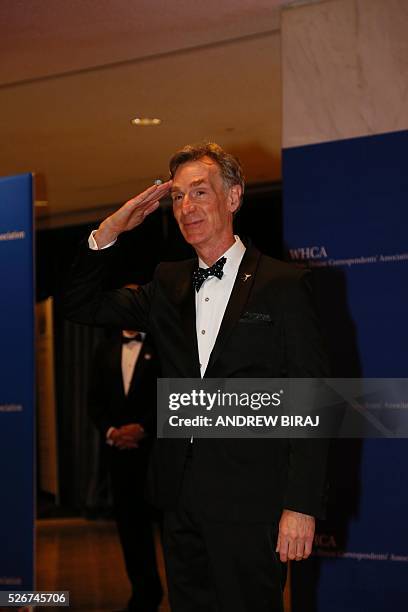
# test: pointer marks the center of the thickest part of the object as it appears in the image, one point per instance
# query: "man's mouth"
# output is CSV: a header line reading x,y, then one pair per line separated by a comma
x,y
192,224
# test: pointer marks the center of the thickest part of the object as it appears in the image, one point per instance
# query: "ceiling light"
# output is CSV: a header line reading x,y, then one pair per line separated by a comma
x,y
145,121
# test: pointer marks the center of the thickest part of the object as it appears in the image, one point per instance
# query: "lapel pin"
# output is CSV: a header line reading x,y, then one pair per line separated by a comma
x,y
147,356
245,277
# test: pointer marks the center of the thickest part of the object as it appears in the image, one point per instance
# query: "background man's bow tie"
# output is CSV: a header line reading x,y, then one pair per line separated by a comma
x,y
126,339
201,274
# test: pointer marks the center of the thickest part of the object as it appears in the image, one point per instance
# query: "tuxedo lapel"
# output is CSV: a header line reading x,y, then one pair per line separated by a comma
x,y
139,368
236,304
116,361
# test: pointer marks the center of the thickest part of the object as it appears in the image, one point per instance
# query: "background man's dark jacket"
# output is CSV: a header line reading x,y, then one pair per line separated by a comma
x,y
235,479
109,406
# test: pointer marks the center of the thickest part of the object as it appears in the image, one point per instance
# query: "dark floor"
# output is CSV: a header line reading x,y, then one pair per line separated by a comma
x,y
84,558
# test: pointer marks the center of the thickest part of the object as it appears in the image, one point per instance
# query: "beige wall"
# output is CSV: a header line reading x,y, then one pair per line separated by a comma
x,y
345,70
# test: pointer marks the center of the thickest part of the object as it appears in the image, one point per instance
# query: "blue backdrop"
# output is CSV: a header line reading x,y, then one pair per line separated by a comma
x,y
346,216
16,384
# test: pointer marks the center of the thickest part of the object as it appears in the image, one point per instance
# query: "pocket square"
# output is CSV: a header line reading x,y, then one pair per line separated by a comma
x,y
257,317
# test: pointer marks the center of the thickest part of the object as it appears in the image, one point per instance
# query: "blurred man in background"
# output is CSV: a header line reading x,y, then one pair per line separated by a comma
x,y
122,403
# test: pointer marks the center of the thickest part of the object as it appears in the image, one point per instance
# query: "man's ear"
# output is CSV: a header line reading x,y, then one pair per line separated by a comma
x,y
234,199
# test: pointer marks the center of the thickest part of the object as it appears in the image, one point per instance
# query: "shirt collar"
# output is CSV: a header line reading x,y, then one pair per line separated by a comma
x,y
233,256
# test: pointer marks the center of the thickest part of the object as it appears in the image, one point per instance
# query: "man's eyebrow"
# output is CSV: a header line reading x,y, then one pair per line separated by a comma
x,y
195,183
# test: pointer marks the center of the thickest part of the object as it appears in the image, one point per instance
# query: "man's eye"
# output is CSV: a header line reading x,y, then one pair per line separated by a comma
x,y
177,197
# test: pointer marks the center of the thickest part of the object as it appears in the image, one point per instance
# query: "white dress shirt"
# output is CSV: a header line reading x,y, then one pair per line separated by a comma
x,y
212,299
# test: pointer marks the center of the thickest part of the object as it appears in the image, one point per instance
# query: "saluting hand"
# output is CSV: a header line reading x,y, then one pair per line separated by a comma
x,y
131,214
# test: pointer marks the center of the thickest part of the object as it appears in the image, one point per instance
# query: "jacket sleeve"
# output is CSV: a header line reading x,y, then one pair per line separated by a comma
x,y
305,358
86,300
147,414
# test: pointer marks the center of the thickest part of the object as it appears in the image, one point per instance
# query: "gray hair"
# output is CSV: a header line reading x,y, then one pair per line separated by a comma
x,y
230,166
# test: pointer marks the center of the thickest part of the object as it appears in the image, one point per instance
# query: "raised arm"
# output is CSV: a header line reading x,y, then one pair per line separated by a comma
x,y
131,214
85,299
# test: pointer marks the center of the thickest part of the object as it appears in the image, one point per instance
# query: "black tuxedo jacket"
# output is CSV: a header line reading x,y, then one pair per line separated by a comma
x,y
109,406
235,479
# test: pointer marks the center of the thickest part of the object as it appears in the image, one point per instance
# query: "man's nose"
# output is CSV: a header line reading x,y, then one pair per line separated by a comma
x,y
187,204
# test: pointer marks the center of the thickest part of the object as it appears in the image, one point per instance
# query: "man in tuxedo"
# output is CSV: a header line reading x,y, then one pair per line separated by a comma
x,y
122,404
235,510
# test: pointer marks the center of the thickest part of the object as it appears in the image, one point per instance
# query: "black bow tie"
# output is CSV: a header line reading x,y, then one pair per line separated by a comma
x,y
126,339
201,274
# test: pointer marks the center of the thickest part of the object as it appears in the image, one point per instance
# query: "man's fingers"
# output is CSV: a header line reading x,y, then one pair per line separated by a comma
x,y
151,208
308,547
147,202
292,546
283,548
296,531
300,550
154,192
292,549
132,213
283,555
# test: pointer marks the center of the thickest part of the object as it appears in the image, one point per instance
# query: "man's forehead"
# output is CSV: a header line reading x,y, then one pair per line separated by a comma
x,y
202,170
